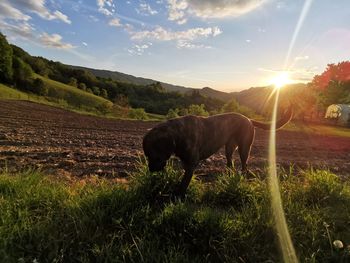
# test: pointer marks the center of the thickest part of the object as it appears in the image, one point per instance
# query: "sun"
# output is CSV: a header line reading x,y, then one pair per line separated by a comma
x,y
281,80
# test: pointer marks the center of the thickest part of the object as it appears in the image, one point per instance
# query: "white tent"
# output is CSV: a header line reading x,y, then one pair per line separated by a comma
x,y
340,112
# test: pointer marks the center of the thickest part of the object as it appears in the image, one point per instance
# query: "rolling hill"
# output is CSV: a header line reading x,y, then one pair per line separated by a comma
x,y
122,77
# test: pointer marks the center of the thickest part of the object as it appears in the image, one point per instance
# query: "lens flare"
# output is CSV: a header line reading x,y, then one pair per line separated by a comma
x,y
281,80
286,243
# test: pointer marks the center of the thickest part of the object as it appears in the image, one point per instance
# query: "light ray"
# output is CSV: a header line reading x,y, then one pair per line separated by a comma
x,y
285,240
302,16
286,244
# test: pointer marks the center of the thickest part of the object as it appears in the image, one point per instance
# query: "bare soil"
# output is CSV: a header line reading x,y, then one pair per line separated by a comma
x,y
63,142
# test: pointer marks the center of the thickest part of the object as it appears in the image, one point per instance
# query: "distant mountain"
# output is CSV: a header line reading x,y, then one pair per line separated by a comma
x,y
256,98
122,77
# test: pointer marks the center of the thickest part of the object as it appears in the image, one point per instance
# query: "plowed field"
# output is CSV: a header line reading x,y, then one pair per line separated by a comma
x,y
58,141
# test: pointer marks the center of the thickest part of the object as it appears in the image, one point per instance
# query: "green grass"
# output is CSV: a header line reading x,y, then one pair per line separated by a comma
x,y
70,98
319,129
64,97
73,96
48,219
10,93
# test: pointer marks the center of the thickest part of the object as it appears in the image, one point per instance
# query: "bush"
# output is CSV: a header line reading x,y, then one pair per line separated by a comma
x,y
39,87
105,107
172,114
138,114
198,110
22,73
82,86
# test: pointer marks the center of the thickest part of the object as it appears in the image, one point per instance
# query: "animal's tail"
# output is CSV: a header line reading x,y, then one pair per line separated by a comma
x,y
286,117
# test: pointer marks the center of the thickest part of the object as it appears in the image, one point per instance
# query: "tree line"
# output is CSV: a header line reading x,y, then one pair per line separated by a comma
x,y
17,68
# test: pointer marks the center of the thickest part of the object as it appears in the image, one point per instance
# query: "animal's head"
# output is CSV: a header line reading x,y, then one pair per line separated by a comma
x,y
158,146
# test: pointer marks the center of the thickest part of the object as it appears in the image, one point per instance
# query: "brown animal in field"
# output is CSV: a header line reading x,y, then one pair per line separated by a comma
x,y
193,139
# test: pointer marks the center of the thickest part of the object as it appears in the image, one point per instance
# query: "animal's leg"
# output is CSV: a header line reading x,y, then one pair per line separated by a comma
x,y
244,151
185,181
229,149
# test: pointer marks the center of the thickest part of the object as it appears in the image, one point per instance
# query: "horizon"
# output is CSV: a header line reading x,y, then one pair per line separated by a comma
x,y
139,38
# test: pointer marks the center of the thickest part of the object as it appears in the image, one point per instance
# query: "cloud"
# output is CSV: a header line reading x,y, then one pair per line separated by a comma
x,y
85,44
183,44
21,29
9,12
54,41
161,34
139,49
106,7
183,39
25,31
38,7
146,9
115,22
62,17
176,9
301,58
180,9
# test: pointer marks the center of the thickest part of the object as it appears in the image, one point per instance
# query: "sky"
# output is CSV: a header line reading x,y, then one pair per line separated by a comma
x,y
228,45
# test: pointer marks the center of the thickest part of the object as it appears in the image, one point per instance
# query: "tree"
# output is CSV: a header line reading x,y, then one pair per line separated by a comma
x,y
334,72
172,114
6,72
39,87
74,83
198,110
96,90
138,114
104,93
22,72
39,66
231,106
82,86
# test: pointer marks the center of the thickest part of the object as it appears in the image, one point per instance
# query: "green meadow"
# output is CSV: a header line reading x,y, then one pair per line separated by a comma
x,y
47,219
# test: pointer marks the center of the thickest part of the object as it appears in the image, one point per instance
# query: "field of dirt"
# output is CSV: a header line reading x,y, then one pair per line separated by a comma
x,y
62,142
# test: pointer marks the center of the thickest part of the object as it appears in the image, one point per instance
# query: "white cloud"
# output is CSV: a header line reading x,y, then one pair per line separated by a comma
x,y
298,58
176,10
146,9
20,29
54,41
93,18
25,31
161,34
106,7
179,10
139,49
181,44
62,17
115,22
38,7
85,44
248,40
183,39
9,12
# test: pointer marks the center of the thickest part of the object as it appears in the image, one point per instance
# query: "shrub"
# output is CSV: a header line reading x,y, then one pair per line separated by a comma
x,y
138,114
82,86
105,107
39,87
198,110
172,114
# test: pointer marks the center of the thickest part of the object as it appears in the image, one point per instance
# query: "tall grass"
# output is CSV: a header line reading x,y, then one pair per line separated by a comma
x,y
46,219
